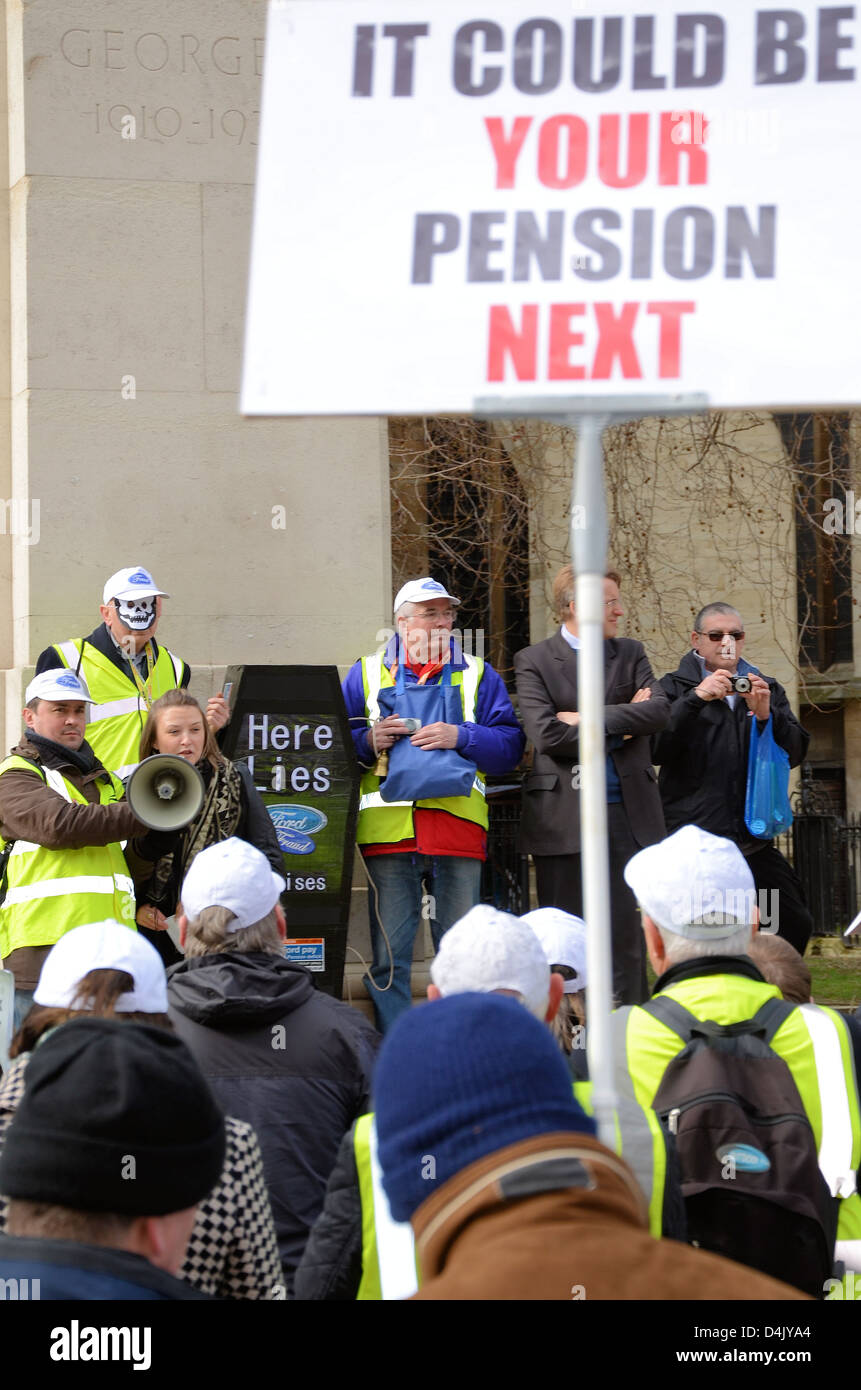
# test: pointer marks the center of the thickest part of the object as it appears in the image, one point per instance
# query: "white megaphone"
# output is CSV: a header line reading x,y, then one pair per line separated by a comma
x,y
165,792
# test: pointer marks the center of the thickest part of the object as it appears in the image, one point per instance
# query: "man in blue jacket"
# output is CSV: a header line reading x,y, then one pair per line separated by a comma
x,y
424,855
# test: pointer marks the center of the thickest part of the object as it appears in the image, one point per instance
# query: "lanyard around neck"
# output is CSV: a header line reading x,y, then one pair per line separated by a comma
x,y
144,686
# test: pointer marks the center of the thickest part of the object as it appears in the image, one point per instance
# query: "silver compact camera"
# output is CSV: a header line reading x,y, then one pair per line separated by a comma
x,y
412,725
741,685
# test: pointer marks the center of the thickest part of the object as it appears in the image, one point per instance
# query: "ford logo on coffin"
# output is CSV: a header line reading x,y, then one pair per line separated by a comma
x,y
289,816
291,822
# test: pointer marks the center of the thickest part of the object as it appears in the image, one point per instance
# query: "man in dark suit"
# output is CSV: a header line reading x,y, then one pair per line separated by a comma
x,y
636,707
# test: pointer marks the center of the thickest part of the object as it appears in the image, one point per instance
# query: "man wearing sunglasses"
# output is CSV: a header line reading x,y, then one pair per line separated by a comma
x,y
703,755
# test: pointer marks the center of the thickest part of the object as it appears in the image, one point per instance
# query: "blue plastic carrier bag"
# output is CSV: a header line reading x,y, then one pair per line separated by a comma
x,y
767,811
418,774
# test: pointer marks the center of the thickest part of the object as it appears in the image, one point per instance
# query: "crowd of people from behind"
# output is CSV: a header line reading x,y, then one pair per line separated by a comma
x,y
284,1148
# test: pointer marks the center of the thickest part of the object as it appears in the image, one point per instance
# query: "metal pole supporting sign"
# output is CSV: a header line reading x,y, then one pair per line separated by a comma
x,y
589,417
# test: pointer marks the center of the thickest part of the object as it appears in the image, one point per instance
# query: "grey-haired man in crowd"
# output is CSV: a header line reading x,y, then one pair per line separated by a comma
x,y
703,756
279,1054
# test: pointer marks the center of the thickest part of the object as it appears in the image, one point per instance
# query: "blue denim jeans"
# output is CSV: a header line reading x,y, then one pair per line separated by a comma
x,y
411,888
23,1005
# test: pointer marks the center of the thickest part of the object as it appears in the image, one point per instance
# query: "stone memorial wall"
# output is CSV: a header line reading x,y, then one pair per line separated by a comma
x,y
132,134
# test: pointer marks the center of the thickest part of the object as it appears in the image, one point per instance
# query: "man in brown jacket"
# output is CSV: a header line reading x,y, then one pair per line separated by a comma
x,y
62,818
511,1196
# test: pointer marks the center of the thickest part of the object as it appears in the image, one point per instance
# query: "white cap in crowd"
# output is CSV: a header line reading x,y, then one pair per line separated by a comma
x,y
488,950
104,946
422,591
234,875
563,940
134,582
57,685
694,884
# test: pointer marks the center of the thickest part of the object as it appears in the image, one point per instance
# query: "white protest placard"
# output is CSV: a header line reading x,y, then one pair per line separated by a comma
x,y
459,201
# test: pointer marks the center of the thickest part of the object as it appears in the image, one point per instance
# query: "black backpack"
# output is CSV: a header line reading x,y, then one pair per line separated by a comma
x,y
751,1181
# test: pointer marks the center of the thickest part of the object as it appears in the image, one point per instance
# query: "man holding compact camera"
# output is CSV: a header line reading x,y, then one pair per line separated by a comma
x,y
703,756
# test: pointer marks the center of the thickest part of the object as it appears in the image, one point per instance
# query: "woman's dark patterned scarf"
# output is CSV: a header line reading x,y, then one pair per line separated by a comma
x,y
217,821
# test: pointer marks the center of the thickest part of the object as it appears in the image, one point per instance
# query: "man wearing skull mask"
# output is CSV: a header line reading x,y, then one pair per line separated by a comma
x,y
125,669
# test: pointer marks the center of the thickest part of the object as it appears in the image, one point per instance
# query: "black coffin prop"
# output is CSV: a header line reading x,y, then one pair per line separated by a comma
x,y
289,724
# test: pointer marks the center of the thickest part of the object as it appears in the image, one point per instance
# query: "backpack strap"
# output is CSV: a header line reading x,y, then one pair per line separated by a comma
x,y
770,1016
4,870
673,1015
765,1022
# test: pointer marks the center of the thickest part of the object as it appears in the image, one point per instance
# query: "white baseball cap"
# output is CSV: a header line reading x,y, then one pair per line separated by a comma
x,y
422,590
488,950
57,685
563,940
104,946
695,884
135,582
234,875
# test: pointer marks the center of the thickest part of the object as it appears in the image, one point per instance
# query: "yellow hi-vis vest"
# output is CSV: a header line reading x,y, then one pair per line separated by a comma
x,y
816,1046
51,891
119,711
388,1247
836,1136
640,1141
387,822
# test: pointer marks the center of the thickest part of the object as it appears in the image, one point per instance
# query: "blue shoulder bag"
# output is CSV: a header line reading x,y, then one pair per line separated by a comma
x,y
420,774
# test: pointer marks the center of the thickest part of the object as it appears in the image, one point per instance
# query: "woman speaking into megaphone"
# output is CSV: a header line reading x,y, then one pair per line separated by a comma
x,y
231,806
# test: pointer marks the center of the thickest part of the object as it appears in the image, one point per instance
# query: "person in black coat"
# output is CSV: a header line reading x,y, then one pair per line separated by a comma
x,y
635,707
703,757
279,1054
98,1093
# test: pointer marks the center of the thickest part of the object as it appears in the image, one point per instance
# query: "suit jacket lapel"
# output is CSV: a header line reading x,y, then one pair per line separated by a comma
x,y
611,662
567,658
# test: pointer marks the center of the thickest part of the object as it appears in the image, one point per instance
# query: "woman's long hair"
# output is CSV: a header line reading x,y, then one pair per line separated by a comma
x,y
95,997
176,699
571,1015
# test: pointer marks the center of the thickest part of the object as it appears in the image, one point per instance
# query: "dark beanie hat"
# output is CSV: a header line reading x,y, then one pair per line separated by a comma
x,y
458,1079
115,1117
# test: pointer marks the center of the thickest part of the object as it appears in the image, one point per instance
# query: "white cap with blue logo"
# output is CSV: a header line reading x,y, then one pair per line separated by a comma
x,y
57,685
422,591
135,582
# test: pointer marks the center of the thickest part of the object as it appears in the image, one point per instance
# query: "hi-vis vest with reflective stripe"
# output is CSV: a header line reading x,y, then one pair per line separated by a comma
x,y
388,1248
640,1141
119,711
51,891
386,822
836,1133
814,1042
